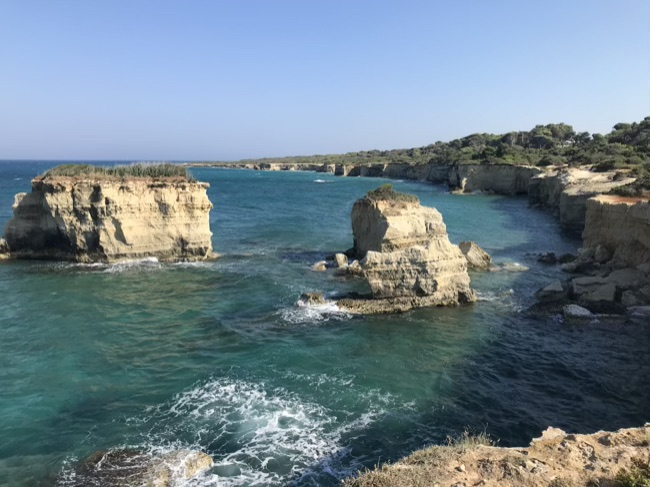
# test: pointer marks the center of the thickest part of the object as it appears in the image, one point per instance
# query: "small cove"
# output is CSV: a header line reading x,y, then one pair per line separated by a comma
x,y
215,356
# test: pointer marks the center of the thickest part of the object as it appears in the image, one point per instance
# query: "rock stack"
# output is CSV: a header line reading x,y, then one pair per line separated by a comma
x,y
97,218
406,256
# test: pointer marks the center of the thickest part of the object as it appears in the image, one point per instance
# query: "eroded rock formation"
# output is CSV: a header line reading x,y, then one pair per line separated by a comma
x,y
567,190
620,227
407,257
110,219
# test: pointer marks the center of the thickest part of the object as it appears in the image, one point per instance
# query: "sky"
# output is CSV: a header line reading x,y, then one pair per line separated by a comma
x,y
226,80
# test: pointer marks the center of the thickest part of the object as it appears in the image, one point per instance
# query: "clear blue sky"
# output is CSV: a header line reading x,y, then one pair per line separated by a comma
x,y
224,80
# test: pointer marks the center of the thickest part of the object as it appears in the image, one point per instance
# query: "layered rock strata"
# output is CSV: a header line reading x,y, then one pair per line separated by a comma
x,y
407,258
496,178
566,192
619,227
109,219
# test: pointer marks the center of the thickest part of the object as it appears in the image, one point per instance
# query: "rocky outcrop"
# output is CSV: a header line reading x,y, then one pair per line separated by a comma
x,y
566,191
129,468
4,249
407,257
554,459
496,178
477,258
109,219
620,226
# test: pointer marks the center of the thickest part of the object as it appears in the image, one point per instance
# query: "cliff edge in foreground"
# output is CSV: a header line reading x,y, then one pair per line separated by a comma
x,y
557,459
407,257
108,216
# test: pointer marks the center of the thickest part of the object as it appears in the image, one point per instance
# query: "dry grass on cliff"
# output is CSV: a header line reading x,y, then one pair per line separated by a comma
x,y
138,170
557,459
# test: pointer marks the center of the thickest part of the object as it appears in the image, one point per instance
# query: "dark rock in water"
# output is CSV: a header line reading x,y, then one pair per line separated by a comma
x,y
575,312
130,468
566,258
553,292
115,468
604,307
311,299
548,258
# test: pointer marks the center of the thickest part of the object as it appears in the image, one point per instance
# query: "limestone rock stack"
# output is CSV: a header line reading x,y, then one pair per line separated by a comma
x,y
406,255
89,219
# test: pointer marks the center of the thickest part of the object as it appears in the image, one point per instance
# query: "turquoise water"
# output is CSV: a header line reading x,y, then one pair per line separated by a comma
x,y
216,356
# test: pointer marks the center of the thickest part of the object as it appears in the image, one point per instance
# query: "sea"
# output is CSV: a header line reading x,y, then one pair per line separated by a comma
x,y
219,357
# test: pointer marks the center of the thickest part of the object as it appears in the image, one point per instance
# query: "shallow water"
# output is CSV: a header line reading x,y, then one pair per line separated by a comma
x,y
217,356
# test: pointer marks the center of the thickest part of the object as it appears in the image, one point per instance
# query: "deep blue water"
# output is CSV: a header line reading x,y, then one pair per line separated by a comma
x,y
216,356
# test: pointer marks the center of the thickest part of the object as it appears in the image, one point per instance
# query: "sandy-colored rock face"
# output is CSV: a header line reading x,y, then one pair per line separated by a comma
x,y
621,226
497,178
567,192
111,220
475,255
556,458
409,260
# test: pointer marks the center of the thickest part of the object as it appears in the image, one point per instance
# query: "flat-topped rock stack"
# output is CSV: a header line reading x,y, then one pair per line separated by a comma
x,y
406,256
103,217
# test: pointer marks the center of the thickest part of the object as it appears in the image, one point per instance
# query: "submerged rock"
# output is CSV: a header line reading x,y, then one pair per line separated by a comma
x,y
475,255
548,258
408,259
553,292
311,299
320,266
130,468
91,218
573,311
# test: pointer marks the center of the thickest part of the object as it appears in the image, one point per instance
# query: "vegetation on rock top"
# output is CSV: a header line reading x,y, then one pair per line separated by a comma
x,y
385,192
126,171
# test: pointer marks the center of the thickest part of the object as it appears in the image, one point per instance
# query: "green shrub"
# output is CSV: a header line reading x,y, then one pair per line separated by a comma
x,y
638,475
137,170
385,192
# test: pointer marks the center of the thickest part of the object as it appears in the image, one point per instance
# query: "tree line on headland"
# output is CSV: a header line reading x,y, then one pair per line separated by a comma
x,y
626,147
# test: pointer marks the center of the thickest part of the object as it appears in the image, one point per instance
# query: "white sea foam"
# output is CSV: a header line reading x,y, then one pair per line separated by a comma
x,y
258,434
303,313
270,435
321,181
490,296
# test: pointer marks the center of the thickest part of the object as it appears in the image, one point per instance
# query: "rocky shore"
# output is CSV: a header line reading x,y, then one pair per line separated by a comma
x,y
106,219
556,459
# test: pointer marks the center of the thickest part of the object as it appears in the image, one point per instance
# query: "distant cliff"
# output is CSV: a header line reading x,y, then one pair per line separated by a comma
x,y
95,217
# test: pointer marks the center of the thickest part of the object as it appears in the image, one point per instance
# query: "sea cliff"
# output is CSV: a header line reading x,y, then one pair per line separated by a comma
x,y
621,227
95,218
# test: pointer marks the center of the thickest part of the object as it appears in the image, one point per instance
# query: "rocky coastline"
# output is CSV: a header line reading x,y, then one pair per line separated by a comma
x,y
557,459
578,197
